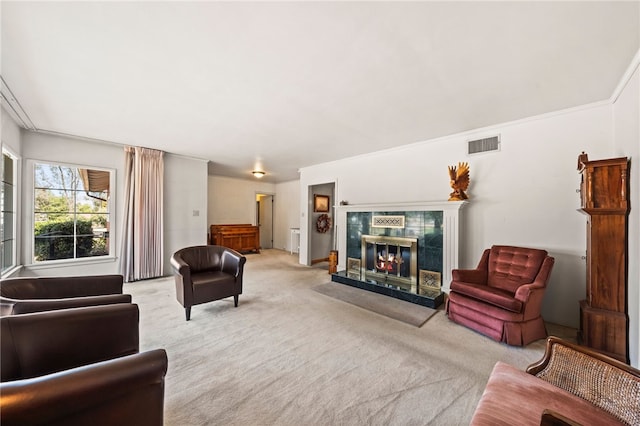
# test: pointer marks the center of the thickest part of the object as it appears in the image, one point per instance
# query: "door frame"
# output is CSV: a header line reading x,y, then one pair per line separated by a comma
x,y
310,217
257,212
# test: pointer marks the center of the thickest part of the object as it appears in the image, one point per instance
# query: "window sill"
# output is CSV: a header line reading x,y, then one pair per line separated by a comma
x,y
70,262
12,272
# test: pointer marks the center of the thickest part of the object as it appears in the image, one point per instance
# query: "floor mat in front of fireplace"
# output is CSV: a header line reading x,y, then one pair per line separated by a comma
x,y
400,310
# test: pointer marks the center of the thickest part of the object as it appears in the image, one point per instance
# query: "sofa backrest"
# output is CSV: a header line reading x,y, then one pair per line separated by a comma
x,y
510,267
41,343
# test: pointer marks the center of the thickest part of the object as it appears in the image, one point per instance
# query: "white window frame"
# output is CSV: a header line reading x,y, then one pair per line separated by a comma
x,y
16,212
112,216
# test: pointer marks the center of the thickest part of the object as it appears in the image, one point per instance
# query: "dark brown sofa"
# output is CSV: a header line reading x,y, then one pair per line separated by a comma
x,y
79,366
571,385
37,294
207,273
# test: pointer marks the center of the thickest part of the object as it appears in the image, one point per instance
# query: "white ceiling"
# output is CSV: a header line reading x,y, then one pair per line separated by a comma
x,y
287,85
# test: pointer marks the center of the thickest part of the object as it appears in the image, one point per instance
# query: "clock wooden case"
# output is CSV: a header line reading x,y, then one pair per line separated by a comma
x,y
604,193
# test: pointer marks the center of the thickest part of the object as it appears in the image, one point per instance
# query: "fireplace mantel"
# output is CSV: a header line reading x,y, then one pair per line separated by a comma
x,y
450,226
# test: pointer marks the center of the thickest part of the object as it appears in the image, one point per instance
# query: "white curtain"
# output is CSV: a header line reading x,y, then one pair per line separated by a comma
x,y
142,251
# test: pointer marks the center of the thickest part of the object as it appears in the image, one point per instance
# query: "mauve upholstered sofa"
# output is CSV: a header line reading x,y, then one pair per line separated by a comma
x,y
502,297
571,385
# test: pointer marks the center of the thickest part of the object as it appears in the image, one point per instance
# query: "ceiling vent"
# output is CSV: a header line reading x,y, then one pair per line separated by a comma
x,y
484,145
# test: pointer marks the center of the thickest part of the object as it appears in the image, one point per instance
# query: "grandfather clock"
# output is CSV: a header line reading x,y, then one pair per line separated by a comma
x,y
604,193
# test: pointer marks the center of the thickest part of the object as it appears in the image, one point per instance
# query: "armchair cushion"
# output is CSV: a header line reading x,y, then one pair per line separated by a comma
x,y
492,295
209,277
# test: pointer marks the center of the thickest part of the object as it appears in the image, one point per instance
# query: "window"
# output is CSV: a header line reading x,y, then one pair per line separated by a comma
x,y
71,212
8,207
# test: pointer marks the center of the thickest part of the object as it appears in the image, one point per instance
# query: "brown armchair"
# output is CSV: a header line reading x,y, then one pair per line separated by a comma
x,y
502,297
79,366
37,294
207,273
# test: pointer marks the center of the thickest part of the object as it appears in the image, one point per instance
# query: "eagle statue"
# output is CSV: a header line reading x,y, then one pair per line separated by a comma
x,y
459,179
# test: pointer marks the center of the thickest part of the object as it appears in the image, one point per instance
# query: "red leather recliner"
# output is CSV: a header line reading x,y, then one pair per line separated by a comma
x,y
502,297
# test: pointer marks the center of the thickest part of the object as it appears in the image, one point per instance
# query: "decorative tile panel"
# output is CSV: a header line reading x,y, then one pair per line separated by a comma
x,y
387,222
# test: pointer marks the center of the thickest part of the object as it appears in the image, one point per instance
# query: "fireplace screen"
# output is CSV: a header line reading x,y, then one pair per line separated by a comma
x,y
390,261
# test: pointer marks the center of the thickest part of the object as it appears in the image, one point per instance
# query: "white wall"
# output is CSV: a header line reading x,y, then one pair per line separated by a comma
x,y
185,204
11,140
287,214
626,131
234,200
185,190
10,137
525,194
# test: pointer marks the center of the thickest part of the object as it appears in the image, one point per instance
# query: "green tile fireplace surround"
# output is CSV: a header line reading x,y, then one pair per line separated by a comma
x,y
402,250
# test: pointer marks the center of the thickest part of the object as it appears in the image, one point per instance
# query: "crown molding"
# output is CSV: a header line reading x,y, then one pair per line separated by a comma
x,y
14,108
626,77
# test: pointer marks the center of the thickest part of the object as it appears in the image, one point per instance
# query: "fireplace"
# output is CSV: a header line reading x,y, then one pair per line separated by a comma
x,y
404,250
390,261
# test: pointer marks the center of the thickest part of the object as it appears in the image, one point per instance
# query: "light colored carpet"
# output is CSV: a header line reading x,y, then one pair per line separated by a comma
x,y
288,355
413,314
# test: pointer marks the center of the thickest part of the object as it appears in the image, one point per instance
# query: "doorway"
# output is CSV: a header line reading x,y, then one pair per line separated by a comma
x,y
321,240
264,219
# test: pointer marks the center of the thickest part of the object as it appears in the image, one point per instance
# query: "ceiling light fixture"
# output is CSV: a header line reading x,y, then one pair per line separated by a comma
x,y
258,173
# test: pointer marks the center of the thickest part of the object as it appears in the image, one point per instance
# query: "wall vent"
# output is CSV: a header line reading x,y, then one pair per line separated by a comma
x,y
484,145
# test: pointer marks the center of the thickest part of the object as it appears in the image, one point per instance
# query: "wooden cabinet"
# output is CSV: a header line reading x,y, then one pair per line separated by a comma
x,y
240,237
604,200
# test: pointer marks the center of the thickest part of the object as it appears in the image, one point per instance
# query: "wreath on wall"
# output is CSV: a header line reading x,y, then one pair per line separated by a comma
x,y
323,223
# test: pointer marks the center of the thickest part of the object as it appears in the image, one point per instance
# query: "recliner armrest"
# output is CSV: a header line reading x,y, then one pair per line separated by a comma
x,y
524,291
180,266
128,390
232,262
479,275
473,276
28,306
61,287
